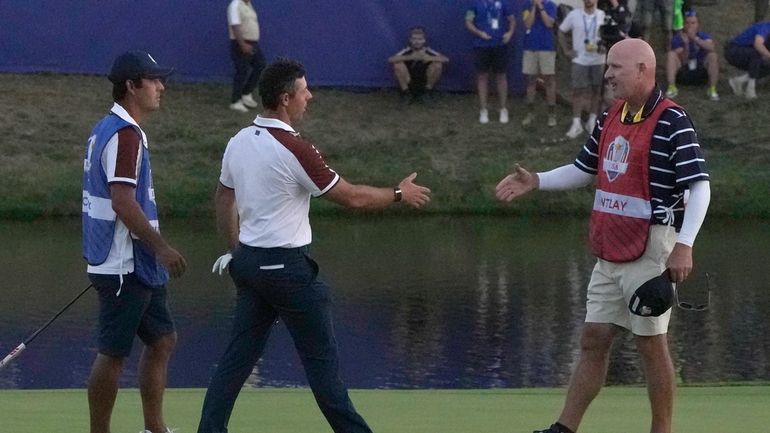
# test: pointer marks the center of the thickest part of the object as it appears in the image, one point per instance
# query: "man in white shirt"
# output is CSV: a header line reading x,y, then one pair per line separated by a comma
x,y
269,173
587,56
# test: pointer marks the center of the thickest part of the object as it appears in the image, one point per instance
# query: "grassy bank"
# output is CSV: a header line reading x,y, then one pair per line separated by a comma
x,y
617,409
367,137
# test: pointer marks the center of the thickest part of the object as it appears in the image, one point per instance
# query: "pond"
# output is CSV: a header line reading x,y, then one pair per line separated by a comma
x,y
420,302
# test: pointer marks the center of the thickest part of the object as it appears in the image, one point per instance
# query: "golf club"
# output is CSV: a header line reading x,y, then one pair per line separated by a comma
x,y
20,348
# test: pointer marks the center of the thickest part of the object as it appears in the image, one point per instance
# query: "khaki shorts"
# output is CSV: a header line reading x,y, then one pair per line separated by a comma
x,y
613,284
538,63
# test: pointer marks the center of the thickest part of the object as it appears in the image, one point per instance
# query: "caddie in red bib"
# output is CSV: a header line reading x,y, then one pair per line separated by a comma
x,y
620,219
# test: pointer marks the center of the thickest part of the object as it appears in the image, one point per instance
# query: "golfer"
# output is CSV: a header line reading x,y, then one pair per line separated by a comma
x,y
269,173
644,154
127,257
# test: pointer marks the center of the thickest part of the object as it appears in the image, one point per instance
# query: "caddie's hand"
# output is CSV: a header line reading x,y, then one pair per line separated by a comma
x,y
413,194
221,264
174,263
516,184
679,263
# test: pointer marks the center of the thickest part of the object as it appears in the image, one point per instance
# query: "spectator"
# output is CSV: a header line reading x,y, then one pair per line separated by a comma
x,y
749,51
484,19
587,63
645,11
245,53
539,59
692,59
417,67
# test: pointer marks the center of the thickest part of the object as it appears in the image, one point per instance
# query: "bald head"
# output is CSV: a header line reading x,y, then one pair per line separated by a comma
x,y
631,69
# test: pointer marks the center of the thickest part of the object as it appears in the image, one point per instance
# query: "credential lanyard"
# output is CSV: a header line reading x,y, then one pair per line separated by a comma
x,y
590,30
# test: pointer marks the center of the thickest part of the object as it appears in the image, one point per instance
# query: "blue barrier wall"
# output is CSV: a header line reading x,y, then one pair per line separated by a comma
x,y
341,42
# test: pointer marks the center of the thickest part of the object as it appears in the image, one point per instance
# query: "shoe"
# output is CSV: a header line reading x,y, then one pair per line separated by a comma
x,y
672,91
238,106
527,120
551,429
168,430
551,120
737,85
575,130
504,115
483,116
712,94
248,101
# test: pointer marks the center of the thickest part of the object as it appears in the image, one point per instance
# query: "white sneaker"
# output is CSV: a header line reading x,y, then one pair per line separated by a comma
x,y
238,106
737,85
249,101
575,130
504,115
551,120
483,116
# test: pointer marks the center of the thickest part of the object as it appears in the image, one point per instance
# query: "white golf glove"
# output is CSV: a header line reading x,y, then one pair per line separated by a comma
x,y
221,264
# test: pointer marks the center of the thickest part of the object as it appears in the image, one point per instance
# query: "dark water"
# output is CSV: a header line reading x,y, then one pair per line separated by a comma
x,y
439,302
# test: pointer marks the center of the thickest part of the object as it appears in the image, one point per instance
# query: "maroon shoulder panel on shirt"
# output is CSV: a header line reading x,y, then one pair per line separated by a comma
x,y
128,153
308,156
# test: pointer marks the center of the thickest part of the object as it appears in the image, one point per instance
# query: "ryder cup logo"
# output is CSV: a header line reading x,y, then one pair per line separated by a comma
x,y
616,159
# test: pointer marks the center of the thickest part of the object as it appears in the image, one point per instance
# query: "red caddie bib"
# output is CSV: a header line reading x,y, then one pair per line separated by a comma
x,y
622,212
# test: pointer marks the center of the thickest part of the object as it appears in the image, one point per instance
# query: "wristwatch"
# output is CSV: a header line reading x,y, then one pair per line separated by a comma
x,y
397,196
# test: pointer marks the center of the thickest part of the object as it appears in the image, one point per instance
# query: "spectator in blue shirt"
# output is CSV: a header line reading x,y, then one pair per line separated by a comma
x,y
539,58
749,51
692,59
492,24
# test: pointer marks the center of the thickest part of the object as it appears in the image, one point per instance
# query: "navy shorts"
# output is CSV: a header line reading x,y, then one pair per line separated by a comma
x,y
492,59
138,310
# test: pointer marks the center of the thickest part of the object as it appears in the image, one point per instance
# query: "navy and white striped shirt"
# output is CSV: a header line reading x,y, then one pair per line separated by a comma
x,y
676,159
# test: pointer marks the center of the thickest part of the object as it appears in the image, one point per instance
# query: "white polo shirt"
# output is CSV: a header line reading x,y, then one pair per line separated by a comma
x,y
274,172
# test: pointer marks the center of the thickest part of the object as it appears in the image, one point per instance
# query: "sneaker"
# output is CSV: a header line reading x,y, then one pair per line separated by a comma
x,y
238,106
527,120
483,116
248,101
575,130
712,94
737,85
168,430
551,429
504,115
551,120
672,91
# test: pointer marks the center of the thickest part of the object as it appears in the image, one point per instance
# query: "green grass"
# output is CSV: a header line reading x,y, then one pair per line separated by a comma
x,y
711,409
367,137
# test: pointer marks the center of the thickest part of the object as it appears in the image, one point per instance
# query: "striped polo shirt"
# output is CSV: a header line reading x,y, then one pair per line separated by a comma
x,y
676,159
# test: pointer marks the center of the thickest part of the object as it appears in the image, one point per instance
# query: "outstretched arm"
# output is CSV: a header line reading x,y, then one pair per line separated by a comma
x,y
516,184
370,197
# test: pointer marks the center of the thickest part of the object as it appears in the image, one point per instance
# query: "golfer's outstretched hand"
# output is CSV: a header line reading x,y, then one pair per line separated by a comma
x,y
516,184
413,194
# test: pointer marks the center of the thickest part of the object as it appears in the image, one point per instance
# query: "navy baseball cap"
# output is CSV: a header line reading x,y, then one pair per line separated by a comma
x,y
654,297
133,65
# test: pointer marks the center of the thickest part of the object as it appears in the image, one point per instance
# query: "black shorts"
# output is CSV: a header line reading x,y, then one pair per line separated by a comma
x,y
688,77
418,74
137,310
491,59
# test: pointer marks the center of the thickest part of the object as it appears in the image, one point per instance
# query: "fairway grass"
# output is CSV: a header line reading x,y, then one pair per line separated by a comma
x,y
708,409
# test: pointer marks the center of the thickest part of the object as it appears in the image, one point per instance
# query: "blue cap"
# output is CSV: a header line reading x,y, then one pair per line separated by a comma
x,y
133,65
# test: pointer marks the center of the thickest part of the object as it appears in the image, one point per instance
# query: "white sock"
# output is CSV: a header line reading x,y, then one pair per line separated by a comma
x,y
576,121
592,119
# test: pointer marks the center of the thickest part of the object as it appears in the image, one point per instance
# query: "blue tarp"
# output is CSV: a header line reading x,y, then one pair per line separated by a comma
x,y
341,42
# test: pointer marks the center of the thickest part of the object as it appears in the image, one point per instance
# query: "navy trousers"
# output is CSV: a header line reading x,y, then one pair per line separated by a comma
x,y
273,283
748,59
247,69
